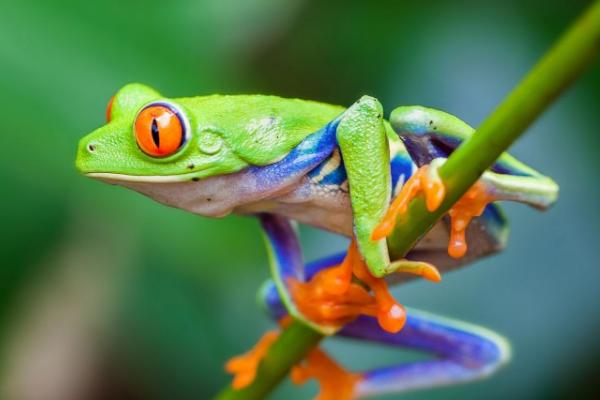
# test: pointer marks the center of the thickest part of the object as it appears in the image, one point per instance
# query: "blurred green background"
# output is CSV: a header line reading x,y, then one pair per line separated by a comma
x,y
106,294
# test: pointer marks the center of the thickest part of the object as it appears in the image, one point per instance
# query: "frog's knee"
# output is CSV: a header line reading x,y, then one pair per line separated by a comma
x,y
492,352
414,119
420,121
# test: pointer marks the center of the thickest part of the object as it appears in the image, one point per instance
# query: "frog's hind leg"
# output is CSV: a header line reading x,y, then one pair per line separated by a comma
x,y
429,134
463,352
278,298
486,235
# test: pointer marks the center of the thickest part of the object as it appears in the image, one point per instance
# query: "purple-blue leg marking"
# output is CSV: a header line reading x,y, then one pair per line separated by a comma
x,y
425,144
464,352
284,248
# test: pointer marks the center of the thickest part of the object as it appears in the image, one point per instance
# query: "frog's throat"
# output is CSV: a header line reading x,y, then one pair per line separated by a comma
x,y
142,178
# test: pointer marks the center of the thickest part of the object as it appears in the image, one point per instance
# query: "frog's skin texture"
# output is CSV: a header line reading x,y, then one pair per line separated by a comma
x,y
327,166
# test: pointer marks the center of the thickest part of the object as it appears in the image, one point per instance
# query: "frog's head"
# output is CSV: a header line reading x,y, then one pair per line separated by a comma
x,y
152,139
160,147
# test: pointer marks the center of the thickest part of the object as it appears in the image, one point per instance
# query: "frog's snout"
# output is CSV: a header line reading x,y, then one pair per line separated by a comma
x,y
86,152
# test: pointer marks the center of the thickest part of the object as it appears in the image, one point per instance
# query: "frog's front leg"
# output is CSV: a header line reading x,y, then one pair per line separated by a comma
x,y
288,270
326,298
331,298
362,138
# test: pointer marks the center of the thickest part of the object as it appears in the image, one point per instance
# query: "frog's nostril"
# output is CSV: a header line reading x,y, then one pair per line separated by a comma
x,y
91,147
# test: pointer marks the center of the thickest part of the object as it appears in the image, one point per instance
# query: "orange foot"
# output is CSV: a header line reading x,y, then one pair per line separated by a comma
x,y
331,297
427,181
470,205
244,367
335,382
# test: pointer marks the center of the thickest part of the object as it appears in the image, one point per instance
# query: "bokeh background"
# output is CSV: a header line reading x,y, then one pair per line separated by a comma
x,y
106,294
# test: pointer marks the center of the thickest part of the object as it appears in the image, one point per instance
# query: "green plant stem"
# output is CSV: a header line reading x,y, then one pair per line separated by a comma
x,y
554,73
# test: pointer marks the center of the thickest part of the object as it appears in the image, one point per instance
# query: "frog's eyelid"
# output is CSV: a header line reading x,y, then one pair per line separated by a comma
x,y
109,107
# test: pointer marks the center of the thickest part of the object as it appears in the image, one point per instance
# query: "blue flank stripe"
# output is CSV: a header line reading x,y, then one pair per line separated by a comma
x,y
303,158
400,165
336,177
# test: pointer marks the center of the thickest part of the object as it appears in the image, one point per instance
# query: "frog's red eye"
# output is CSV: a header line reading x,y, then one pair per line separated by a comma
x,y
109,108
159,130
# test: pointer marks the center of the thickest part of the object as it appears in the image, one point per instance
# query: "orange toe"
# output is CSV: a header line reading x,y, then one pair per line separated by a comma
x,y
420,268
335,382
244,367
425,181
471,204
422,181
431,273
370,296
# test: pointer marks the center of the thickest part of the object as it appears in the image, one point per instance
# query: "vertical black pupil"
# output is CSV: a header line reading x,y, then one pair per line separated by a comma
x,y
155,133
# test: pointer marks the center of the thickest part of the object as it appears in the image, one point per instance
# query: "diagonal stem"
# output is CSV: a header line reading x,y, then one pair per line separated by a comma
x,y
552,75
564,63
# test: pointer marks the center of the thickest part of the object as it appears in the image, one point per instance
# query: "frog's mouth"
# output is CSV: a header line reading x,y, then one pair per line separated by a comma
x,y
116,178
214,196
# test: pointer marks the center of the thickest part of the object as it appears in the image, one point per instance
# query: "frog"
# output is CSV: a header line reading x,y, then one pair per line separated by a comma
x,y
345,170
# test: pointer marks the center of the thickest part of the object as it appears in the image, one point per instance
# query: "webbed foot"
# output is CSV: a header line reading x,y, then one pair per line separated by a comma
x,y
427,181
332,298
471,204
335,382
243,367
420,268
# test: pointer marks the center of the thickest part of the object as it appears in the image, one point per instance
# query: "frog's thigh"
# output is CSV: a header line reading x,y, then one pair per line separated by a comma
x,y
362,139
430,133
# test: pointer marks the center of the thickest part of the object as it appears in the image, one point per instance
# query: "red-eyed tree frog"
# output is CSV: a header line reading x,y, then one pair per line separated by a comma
x,y
345,170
